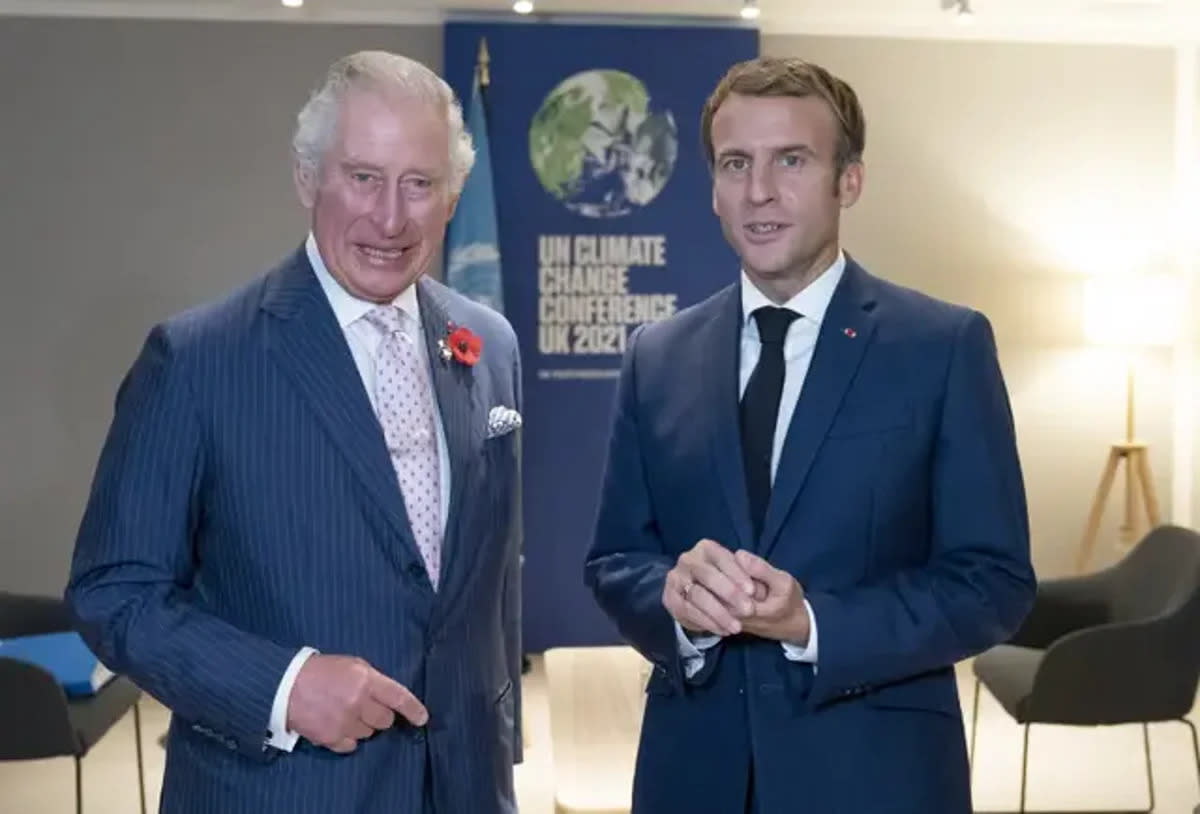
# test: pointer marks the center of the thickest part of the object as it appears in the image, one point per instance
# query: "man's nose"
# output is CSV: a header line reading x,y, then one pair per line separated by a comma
x,y
390,212
761,188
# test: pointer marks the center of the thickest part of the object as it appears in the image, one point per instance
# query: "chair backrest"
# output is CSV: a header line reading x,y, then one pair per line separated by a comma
x,y
22,615
1159,578
33,709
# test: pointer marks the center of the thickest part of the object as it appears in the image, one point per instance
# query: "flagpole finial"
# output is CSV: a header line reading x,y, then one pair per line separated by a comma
x,y
483,64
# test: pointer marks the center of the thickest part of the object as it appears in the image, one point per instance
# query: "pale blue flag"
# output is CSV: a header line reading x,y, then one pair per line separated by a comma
x,y
473,242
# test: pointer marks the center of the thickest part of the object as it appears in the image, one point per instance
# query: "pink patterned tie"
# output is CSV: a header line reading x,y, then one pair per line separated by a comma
x,y
404,403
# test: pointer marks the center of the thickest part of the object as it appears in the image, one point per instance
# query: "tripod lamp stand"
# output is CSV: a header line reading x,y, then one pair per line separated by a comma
x,y
1130,313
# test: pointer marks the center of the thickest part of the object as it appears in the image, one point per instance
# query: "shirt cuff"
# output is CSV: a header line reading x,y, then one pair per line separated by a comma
x,y
807,653
692,650
279,736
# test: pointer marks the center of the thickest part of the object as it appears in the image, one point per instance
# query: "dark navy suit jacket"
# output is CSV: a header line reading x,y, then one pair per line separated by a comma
x,y
245,505
898,505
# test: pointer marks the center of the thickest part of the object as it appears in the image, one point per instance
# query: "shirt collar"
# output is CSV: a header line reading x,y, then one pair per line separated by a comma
x,y
347,307
812,302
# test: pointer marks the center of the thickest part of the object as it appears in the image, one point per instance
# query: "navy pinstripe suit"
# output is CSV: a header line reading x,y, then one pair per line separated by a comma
x,y
245,505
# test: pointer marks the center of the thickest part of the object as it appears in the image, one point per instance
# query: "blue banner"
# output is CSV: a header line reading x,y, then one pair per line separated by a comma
x,y
604,206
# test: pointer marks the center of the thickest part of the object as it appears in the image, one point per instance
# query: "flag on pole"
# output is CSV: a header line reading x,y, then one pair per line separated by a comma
x,y
473,242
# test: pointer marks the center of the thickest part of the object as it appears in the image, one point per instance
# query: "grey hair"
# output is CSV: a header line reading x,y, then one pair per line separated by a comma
x,y
316,124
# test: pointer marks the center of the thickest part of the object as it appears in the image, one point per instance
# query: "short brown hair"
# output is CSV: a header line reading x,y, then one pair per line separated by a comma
x,y
791,76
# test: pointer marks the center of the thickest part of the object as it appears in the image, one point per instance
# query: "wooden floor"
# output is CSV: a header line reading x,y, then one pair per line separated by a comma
x,y
583,753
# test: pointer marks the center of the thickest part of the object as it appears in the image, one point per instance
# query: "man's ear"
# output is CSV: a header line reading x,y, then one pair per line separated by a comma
x,y
305,178
850,184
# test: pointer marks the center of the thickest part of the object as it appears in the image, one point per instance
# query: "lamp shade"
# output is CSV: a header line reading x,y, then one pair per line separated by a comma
x,y
1132,311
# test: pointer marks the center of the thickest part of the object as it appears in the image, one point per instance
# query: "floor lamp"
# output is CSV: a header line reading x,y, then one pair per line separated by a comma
x,y
1130,313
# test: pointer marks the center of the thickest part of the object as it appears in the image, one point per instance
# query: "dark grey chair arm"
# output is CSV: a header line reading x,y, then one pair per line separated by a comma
x,y
1063,606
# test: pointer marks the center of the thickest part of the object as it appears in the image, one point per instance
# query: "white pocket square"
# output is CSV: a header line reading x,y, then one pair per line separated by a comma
x,y
501,421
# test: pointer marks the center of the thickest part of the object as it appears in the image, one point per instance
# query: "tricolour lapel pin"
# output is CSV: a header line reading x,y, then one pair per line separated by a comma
x,y
850,332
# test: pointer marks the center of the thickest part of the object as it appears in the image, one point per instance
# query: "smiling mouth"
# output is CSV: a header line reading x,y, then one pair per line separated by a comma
x,y
381,255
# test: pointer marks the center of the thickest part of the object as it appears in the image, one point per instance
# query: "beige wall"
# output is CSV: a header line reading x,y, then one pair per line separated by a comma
x,y
997,176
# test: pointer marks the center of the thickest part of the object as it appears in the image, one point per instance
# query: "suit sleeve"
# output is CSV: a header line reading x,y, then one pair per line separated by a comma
x,y
513,575
978,583
627,566
131,583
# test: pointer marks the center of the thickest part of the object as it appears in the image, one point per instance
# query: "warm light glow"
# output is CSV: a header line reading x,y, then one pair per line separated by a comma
x,y
1132,310
750,10
293,3
523,6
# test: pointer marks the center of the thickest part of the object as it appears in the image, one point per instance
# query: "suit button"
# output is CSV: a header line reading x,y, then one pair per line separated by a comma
x,y
418,734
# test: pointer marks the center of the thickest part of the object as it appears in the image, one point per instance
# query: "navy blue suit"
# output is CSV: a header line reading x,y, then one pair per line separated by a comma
x,y
245,506
898,505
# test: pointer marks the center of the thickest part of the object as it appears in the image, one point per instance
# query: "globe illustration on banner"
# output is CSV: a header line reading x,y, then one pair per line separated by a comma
x,y
598,146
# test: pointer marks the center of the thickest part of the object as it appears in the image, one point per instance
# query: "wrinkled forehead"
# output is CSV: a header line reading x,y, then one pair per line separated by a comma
x,y
389,122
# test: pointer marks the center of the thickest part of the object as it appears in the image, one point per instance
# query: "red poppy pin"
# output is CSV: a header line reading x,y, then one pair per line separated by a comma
x,y
461,345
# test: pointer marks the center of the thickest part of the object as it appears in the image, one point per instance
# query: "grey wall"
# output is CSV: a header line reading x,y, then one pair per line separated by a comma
x,y
999,176
145,168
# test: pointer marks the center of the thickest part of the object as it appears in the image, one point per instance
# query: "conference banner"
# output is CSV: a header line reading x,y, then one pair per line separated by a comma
x,y
604,212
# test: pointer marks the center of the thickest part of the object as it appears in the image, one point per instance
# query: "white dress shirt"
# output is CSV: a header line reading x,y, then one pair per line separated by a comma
x,y
363,339
798,346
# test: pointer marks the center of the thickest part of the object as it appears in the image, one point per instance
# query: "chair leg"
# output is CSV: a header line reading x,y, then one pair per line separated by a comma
x,y
78,786
974,727
1024,764
1195,753
137,732
1149,767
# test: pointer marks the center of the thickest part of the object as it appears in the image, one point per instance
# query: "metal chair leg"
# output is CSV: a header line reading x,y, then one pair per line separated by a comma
x,y
1149,768
78,786
1024,765
137,732
974,728
1195,752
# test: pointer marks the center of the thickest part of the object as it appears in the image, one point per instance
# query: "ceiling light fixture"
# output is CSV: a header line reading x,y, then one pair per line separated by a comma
x,y
292,3
523,6
750,10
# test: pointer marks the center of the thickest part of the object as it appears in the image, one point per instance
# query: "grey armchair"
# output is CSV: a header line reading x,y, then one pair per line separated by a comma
x,y
40,721
1063,667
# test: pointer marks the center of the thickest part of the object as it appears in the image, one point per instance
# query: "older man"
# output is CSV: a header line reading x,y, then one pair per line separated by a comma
x,y
301,532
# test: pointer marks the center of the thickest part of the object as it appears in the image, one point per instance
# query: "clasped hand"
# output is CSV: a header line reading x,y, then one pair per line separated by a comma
x,y
717,591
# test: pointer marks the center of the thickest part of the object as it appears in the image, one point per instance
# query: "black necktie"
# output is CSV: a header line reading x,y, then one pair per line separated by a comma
x,y
760,409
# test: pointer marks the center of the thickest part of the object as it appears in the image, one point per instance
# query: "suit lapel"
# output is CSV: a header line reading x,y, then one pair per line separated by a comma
x,y
845,333
463,421
720,350
309,345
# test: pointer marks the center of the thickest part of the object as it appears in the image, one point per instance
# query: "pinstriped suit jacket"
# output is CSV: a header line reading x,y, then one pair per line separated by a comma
x,y
245,505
